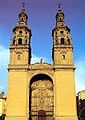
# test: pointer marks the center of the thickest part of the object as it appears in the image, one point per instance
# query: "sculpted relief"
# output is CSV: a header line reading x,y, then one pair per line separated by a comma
x,y
42,99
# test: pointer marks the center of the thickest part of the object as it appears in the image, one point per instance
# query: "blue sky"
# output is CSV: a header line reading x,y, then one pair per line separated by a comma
x,y
41,19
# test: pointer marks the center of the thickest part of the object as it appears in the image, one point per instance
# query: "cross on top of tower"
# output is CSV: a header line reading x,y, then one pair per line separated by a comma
x,y
59,4
23,16
23,4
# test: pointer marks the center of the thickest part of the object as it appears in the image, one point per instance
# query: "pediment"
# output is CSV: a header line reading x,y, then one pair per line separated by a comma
x,y
41,66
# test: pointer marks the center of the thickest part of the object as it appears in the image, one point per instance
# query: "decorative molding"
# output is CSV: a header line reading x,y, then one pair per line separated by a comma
x,y
16,117
64,67
41,66
66,118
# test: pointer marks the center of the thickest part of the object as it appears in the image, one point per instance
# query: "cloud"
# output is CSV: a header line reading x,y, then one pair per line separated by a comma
x,y
4,57
80,75
1,88
37,59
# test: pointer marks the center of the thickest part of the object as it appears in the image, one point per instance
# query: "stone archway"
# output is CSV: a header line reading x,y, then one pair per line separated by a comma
x,y
41,98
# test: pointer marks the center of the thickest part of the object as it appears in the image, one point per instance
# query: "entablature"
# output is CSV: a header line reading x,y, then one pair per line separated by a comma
x,y
64,67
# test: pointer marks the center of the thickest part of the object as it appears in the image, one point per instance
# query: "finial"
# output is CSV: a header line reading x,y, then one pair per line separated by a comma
x,y
23,5
41,61
59,5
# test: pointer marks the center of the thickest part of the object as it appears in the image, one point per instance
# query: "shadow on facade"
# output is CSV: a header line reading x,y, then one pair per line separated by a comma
x,y
81,109
2,117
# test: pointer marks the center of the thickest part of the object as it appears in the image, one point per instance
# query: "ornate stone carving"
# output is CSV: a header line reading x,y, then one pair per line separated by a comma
x,y
42,97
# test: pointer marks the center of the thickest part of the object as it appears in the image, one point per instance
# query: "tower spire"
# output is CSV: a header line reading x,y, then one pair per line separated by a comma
x,y
59,16
23,16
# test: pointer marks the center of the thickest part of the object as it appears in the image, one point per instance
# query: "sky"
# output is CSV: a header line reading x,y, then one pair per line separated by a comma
x,y
41,20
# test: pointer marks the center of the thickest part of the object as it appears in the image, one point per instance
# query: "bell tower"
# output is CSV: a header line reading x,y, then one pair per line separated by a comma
x,y
64,70
62,42
20,50
20,58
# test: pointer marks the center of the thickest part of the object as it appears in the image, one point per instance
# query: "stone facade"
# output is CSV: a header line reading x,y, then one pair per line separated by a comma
x,y
41,91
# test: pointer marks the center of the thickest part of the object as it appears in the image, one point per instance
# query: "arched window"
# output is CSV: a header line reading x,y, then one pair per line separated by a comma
x,y
13,42
68,41
63,57
56,41
60,19
61,32
62,40
20,32
22,20
19,41
25,41
18,57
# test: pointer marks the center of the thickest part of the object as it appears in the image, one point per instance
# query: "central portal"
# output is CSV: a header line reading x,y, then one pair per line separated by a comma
x,y
41,98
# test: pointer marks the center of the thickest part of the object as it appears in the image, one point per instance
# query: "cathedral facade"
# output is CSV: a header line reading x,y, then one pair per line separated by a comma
x,y
41,91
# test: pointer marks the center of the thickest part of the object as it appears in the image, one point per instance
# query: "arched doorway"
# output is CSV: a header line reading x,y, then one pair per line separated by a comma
x,y
41,98
41,115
